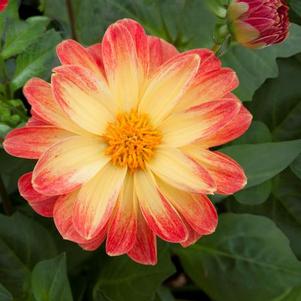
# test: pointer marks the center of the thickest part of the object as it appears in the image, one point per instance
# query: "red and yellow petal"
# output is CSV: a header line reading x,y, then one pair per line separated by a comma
x,y
32,141
196,209
145,247
83,97
45,107
160,216
96,201
120,61
168,85
122,226
42,204
205,120
96,51
234,129
68,164
208,87
159,51
180,171
71,52
227,173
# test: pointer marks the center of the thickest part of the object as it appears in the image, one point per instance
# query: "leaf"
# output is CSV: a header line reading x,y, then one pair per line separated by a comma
x,y
295,5
121,277
164,294
21,34
23,242
5,295
27,238
255,66
37,60
278,102
263,161
12,168
296,167
248,258
49,280
187,24
255,195
293,294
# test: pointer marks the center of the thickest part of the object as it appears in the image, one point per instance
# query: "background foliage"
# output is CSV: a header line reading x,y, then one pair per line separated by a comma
x,y
256,251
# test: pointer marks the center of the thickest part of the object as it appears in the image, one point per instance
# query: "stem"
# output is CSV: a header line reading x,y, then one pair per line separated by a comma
x,y
7,205
71,19
216,47
8,92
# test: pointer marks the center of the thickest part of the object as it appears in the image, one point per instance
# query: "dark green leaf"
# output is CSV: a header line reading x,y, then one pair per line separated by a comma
x,y
21,34
49,280
248,258
5,295
277,102
296,167
263,161
27,238
122,277
164,294
255,66
255,195
37,60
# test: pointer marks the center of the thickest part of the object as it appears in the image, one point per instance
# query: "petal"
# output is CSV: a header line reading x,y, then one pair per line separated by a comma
x,y
72,53
183,128
121,66
39,95
227,174
83,97
68,164
208,87
145,248
42,204
32,142
168,85
94,243
96,51
62,216
178,170
122,228
141,43
160,51
231,131
193,237
96,201
196,209
160,216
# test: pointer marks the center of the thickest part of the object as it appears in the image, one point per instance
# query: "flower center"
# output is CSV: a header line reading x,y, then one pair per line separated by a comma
x,y
131,140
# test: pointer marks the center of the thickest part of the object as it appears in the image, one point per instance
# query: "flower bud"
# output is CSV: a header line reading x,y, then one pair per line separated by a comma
x,y
258,23
3,4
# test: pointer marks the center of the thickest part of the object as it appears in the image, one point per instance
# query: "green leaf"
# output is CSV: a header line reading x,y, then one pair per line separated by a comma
x,y
255,195
277,102
37,60
255,66
122,277
12,168
187,24
293,294
49,280
263,161
248,258
21,34
296,167
5,295
164,294
295,5
29,240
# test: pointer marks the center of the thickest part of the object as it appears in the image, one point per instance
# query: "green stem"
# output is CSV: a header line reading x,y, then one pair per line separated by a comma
x,y
71,19
8,91
7,205
216,47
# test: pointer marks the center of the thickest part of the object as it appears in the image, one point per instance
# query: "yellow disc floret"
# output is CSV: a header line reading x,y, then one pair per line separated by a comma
x,y
131,140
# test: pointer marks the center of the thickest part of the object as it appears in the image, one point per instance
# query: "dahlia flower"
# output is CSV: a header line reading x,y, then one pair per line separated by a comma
x,y
259,23
122,136
3,4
